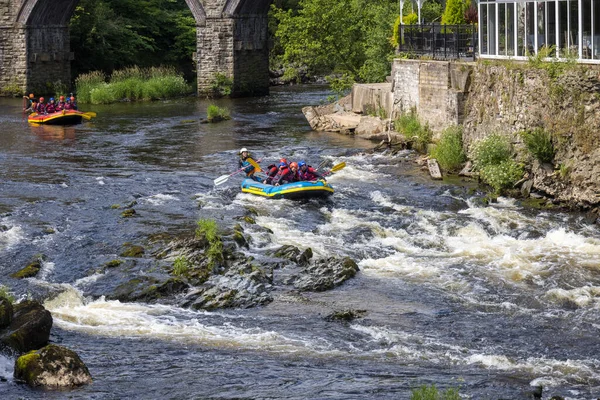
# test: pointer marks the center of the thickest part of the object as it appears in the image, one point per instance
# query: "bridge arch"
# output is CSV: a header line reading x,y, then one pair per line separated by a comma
x,y
231,40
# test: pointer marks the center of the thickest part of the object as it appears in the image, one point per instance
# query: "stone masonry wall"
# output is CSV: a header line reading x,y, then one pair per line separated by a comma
x,y
49,58
510,98
214,51
436,89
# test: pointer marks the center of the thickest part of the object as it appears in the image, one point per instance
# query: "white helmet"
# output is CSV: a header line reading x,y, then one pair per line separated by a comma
x,y
243,150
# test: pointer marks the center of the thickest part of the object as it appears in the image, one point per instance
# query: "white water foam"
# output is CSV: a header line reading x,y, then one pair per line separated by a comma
x,y
413,347
115,319
46,270
587,296
160,199
11,236
6,367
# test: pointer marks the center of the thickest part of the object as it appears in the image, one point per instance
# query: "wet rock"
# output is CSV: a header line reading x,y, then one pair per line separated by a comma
x,y
130,212
148,289
29,271
29,328
52,366
345,315
243,285
132,250
534,394
6,312
326,274
287,251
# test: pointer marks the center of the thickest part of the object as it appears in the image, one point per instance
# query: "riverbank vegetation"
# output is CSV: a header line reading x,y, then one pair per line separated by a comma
x,y
109,35
215,113
449,149
131,84
432,393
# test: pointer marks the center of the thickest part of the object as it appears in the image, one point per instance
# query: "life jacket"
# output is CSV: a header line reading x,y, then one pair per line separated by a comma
x,y
60,106
51,108
40,108
69,106
285,175
310,174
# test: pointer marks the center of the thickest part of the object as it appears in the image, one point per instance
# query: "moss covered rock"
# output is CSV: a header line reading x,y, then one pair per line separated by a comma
x,y
132,250
148,289
29,328
29,271
6,312
52,366
130,212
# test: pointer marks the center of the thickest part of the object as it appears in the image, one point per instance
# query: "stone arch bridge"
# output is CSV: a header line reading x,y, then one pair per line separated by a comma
x,y
231,39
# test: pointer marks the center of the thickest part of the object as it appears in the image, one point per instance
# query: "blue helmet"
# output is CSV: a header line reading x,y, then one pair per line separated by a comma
x,y
51,98
301,164
282,164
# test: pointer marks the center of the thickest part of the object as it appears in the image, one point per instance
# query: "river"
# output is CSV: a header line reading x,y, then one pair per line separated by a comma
x,y
490,299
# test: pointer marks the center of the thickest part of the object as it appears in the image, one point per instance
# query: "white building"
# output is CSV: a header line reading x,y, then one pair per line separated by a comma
x,y
516,28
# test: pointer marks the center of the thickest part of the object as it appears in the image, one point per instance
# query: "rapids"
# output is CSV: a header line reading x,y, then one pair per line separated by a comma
x,y
489,299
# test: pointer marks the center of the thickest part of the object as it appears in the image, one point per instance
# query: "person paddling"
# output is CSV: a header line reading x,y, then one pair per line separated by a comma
x,y
30,103
40,107
244,162
51,107
308,173
61,103
285,175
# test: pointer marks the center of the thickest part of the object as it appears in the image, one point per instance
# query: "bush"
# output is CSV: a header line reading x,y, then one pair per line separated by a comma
x,y
491,150
539,144
181,266
449,150
85,83
215,113
409,125
503,175
432,393
341,85
222,85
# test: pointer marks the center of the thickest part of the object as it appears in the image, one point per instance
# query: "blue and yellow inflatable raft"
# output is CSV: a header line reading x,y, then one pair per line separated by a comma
x,y
294,190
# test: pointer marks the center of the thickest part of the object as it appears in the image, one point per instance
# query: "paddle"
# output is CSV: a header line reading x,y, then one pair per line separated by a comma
x,y
223,178
335,168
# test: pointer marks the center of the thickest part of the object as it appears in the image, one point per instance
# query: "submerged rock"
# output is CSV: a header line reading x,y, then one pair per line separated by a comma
x,y
29,271
132,250
52,366
345,315
29,328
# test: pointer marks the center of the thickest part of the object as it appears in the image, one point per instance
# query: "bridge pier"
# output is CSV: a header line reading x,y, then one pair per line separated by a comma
x,y
238,48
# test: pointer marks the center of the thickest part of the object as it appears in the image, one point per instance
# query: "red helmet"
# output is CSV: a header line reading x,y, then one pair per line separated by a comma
x,y
294,165
62,98
283,160
72,98
41,99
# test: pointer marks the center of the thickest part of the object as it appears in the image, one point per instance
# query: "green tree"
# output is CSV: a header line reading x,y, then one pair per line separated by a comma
x,y
431,12
113,34
454,14
343,36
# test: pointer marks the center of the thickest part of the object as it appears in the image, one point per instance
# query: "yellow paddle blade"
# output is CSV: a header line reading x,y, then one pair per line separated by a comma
x,y
339,166
91,114
84,115
254,164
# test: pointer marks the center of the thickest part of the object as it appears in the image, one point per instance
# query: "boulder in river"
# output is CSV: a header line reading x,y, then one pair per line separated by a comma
x,y
325,274
29,328
30,270
53,367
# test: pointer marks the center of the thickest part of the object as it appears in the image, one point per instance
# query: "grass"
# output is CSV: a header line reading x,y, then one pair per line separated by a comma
x,y
6,294
215,113
208,229
181,266
449,150
411,127
432,393
131,84
539,143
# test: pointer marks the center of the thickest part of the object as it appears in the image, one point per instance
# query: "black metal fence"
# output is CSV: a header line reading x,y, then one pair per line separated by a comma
x,y
443,42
